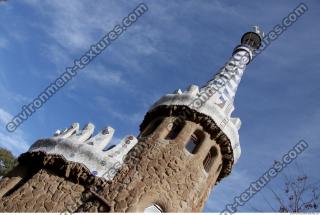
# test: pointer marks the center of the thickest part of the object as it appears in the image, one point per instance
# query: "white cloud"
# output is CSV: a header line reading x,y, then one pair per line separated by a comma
x,y
5,117
72,25
6,94
15,142
3,42
101,76
75,25
133,118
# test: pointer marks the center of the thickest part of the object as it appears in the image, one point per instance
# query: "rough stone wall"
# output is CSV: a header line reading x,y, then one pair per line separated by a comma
x,y
162,172
186,113
13,178
44,192
52,185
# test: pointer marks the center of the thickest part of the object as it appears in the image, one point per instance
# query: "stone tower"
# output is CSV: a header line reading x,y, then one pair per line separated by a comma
x,y
188,142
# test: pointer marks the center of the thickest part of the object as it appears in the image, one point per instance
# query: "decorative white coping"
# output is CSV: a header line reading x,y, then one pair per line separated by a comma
x,y
216,98
78,146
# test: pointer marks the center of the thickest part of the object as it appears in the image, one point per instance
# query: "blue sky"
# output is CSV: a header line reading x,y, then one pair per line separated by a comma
x,y
173,45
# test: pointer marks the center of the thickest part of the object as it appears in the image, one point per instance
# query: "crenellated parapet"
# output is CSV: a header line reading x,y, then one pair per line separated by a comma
x,y
81,146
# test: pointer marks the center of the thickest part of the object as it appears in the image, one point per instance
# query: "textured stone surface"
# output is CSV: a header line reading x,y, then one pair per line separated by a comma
x,y
162,172
185,113
52,185
44,192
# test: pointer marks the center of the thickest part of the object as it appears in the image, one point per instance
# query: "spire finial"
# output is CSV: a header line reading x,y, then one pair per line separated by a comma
x,y
256,29
252,39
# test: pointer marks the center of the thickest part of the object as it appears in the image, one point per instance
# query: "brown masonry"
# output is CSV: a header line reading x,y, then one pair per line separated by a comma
x,y
155,171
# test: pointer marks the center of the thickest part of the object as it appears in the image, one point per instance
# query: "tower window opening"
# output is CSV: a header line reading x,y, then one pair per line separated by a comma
x,y
152,127
154,208
209,159
194,142
177,126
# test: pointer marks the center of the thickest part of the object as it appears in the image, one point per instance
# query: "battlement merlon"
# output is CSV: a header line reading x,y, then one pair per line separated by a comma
x,y
215,99
81,146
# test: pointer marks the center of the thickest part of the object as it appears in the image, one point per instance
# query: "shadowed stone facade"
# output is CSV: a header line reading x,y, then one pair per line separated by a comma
x,y
45,183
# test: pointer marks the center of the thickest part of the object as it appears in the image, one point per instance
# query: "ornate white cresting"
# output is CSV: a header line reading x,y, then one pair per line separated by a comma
x,y
80,146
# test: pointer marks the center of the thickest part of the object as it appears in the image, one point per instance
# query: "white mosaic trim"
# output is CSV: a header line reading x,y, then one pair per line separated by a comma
x,y
78,146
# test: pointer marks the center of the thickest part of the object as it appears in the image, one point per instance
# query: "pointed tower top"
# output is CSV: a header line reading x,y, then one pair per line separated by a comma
x,y
215,99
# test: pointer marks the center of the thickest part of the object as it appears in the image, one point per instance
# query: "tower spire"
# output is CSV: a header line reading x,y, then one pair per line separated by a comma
x,y
215,99
225,83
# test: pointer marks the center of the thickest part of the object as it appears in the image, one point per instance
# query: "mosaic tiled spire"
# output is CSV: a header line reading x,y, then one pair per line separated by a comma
x,y
216,98
227,80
